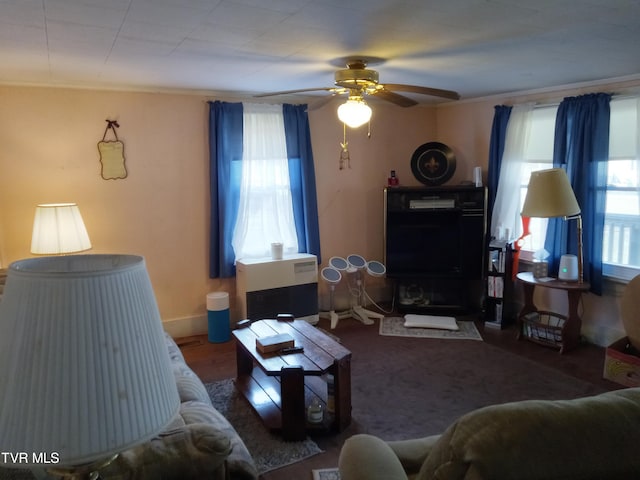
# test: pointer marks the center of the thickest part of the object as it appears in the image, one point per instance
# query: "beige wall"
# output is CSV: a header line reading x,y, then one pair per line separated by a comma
x,y
350,201
160,211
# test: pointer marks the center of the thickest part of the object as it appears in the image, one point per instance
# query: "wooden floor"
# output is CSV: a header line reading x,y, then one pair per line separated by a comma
x,y
216,361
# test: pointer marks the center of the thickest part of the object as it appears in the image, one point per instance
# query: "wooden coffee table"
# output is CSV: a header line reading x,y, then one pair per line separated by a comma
x,y
280,387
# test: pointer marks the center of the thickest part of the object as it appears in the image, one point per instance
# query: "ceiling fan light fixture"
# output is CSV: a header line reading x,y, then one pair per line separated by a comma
x,y
354,112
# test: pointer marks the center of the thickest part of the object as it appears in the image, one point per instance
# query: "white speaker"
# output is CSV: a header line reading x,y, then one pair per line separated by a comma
x,y
568,268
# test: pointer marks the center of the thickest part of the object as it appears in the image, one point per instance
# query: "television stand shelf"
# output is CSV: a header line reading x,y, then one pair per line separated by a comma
x,y
434,239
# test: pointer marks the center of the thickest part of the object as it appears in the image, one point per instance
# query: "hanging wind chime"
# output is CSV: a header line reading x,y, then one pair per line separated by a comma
x,y
345,160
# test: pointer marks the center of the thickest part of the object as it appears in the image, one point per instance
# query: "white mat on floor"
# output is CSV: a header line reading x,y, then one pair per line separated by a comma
x,y
394,327
430,321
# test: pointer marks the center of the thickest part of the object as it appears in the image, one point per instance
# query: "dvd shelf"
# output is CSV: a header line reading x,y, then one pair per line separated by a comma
x,y
499,285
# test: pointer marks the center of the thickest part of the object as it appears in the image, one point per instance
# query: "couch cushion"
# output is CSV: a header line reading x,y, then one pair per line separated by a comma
x,y
366,450
196,408
192,451
172,347
190,387
240,462
587,438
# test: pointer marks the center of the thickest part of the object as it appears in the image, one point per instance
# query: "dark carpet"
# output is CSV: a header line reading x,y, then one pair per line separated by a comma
x,y
412,387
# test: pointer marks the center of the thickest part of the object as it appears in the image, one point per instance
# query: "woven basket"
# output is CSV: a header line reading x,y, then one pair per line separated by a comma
x,y
544,327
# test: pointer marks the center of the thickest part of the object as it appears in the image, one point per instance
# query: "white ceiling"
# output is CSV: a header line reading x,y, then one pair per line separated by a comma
x,y
476,47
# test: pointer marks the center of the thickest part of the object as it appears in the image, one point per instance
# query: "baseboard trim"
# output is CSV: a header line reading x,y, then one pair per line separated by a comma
x,y
186,326
602,335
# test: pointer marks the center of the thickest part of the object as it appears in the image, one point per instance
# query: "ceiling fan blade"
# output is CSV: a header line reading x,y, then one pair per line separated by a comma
x,y
287,92
316,104
392,97
436,92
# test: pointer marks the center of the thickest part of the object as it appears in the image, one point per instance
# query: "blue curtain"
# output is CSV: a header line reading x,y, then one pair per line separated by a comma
x,y
581,147
496,149
225,158
302,178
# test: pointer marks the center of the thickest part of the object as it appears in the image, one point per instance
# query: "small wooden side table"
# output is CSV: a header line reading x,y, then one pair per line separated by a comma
x,y
279,386
570,329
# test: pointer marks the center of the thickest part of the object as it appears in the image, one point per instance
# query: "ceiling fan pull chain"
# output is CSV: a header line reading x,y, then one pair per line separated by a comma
x,y
344,153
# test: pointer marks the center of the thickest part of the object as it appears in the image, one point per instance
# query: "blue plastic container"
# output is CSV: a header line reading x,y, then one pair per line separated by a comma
x,y
218,316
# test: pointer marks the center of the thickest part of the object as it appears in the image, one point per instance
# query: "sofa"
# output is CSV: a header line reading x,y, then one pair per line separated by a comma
x,y
591,438
199,443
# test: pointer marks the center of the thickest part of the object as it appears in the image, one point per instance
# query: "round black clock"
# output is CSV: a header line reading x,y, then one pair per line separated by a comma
x,y
433,163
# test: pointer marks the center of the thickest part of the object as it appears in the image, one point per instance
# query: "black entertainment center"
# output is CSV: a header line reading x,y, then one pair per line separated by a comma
x,y
435,247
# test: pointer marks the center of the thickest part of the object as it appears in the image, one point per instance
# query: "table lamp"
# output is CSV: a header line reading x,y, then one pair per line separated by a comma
x,y
550,195
58,229
84,370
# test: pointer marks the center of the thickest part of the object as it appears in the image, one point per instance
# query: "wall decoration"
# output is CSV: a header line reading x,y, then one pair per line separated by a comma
x,y
112,154
433,163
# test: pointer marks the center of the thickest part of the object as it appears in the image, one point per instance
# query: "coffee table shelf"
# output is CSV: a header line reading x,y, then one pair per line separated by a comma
x,y
280,387
263,392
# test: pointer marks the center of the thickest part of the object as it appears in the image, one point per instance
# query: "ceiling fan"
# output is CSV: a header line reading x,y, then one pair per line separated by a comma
x,y
357,80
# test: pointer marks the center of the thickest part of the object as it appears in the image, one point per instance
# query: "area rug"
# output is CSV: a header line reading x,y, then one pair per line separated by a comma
x,y
394,327
326,474
269,451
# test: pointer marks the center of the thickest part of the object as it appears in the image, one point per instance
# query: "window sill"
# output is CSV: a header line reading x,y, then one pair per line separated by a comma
x,y
619,273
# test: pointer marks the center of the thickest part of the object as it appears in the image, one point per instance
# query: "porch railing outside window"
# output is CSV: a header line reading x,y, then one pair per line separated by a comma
x,y
621,240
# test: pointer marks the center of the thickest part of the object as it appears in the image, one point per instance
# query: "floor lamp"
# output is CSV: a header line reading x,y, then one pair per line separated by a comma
x,y
84,370
550,195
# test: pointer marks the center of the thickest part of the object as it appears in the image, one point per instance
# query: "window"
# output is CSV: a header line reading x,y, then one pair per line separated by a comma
x,y
265,213
538,155
621,236
226,153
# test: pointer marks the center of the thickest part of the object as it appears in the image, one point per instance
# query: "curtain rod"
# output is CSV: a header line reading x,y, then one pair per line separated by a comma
x,y
617,96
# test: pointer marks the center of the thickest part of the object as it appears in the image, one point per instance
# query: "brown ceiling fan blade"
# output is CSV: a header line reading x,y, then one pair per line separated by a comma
x,y
321,102
396,98
302,90
436,92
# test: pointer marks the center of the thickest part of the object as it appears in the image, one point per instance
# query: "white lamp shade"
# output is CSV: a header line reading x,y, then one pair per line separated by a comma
x,y
354,112
549,194
58,228
84,370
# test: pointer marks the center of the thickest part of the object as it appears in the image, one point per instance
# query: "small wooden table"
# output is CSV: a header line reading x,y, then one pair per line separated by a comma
x,y
570,331
279,387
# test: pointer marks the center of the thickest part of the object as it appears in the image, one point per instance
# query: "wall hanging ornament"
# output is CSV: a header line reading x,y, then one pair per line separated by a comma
x,y
345,160
433,163
112,154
